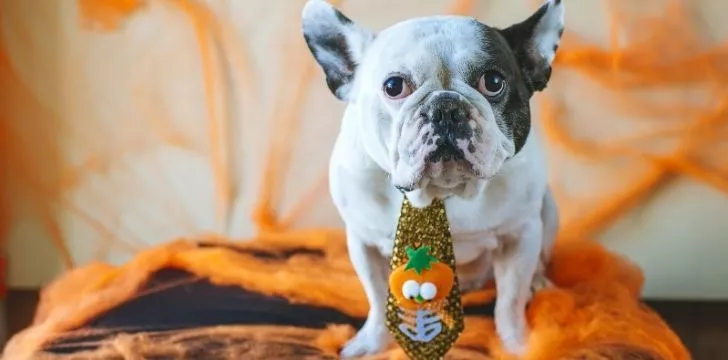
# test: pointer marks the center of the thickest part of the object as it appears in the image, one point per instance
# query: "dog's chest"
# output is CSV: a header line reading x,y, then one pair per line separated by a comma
x,y
374,220
370,208
471,235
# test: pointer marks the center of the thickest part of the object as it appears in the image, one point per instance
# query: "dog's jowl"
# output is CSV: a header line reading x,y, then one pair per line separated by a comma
x,y
438,108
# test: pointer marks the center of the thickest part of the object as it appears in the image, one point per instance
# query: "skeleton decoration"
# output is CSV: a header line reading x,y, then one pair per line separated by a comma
x,y
424,313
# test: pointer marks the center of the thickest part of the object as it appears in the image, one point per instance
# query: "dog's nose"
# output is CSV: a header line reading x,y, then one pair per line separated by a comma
x,y
448,111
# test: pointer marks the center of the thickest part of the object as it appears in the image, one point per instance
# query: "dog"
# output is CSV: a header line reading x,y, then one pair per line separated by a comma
x,y
438,107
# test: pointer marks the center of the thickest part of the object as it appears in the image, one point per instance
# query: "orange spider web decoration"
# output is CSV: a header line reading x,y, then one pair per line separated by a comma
x,y
652,58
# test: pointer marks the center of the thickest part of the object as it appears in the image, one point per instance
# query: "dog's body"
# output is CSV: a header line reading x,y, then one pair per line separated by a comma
x,y
439,108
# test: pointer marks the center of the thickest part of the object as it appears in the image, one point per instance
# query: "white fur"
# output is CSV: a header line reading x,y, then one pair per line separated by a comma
x,y
503,223
317,19
505,214
547,37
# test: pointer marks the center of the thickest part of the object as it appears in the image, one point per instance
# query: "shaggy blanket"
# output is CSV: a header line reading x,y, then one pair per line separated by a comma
x,y
213,299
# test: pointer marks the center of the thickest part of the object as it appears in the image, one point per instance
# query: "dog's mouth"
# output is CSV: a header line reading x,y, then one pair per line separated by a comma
x,y
439,173
444,168
445,176
446,151
445,158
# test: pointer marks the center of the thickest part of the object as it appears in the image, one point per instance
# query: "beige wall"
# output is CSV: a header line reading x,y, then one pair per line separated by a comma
x,y
103,88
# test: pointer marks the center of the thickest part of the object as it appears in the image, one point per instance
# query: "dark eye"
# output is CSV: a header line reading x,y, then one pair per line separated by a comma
x,y
396,87
491,84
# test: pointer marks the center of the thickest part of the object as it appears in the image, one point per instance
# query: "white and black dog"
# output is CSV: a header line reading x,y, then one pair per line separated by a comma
x,y
438,107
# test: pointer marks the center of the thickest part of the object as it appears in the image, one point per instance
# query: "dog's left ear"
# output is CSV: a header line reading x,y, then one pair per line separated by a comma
x,y
337,44
534,42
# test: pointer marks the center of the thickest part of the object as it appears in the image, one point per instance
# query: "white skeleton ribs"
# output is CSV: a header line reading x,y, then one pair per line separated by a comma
x,y
421,325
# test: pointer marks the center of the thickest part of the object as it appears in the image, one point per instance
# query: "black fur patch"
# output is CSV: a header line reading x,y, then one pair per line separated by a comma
x,y
520,38
340,72
511,109
518,119
344,20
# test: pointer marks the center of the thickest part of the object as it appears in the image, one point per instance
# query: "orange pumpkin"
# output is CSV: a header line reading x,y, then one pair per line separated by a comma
x,y
421,280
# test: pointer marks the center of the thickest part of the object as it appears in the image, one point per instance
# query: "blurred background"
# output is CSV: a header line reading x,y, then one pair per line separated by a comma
x,y
128,123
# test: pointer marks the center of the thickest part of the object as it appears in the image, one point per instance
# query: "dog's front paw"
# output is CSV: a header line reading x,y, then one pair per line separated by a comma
x,y
371,339
512,329
514,344
514,340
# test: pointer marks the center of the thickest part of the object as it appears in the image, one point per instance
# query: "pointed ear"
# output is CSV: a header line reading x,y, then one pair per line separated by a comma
x,y
534,42
337,44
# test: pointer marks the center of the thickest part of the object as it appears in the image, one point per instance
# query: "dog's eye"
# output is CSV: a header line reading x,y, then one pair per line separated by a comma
x,y
491,84
396,87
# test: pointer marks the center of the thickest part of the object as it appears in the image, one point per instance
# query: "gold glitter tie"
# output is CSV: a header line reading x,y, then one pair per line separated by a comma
x,y
424,312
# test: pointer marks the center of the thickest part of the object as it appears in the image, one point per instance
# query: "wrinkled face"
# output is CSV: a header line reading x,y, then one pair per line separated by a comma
x,y
442,101
450,103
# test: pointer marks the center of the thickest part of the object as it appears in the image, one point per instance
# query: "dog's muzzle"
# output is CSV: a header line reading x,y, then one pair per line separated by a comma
x,y
448,113
441,147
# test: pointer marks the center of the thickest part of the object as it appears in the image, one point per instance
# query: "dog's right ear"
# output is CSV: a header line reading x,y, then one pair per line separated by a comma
x,y
534,42
336,43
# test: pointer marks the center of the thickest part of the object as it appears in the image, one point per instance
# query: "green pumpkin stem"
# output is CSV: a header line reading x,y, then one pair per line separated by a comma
x,y
419,259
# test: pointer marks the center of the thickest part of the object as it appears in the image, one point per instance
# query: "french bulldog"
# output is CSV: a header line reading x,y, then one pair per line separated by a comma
x,y
438,107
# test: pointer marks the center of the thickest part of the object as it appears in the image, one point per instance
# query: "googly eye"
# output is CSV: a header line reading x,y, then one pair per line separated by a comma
x,y
428,291
410,289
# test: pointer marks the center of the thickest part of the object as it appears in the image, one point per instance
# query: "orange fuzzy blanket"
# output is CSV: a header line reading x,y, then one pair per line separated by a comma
x,y
594,314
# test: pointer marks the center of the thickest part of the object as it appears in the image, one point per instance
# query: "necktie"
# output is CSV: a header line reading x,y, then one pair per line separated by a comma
x,y
424,312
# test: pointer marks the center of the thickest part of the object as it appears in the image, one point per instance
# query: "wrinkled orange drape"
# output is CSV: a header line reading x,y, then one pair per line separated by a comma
x,y
646,53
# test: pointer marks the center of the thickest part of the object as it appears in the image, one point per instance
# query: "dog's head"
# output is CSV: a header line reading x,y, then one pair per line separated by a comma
x,y
441,102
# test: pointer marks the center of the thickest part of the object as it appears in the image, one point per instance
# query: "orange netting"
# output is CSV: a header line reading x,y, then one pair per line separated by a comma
x,y
594,313
661,52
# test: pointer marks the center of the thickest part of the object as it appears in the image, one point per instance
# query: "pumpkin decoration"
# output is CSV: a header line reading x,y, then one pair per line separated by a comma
x,y
424,309
421,281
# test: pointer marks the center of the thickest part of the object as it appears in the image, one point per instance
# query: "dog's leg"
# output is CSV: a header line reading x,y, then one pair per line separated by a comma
x,y
514,268
475,275
371,268
550,219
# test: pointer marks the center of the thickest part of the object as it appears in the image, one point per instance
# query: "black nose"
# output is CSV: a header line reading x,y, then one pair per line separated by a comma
x,y
448,113
449,116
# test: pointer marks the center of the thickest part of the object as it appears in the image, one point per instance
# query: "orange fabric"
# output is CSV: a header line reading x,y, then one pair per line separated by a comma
x,y
655,52
107,15
596,303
